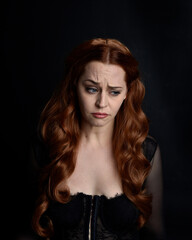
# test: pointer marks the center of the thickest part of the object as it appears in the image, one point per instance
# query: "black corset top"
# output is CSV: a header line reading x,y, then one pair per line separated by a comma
x,y
94,217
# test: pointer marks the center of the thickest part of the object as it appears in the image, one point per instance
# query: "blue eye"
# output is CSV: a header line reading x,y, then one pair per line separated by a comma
x,y
91,90
115,93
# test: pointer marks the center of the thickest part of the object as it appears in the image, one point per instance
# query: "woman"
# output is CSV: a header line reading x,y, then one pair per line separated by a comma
x,y
102,177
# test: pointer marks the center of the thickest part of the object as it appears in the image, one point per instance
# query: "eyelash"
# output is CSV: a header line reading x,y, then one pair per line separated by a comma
x,y
92,90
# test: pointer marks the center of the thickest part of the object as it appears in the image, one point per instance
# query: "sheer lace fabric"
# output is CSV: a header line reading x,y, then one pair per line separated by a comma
x,y
154,228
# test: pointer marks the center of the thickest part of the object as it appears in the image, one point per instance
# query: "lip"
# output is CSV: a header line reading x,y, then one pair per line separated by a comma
x,y
100,115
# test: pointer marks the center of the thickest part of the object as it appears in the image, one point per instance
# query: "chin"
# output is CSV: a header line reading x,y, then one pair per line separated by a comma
x,y
99,123
93,122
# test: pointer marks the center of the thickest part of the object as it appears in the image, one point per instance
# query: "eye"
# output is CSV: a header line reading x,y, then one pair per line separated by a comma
x,y
115,93
91,90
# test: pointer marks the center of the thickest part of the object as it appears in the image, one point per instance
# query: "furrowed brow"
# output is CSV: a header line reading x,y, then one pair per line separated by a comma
x,y
91,81
111,87
97,83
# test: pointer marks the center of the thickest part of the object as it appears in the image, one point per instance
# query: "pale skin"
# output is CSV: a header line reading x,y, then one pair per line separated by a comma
x,y
101,89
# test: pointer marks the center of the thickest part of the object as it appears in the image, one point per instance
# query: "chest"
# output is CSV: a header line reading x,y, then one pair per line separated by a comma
x,y
95,173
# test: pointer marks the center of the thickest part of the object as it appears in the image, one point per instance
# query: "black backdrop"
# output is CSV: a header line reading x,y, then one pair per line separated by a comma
x,y
37,37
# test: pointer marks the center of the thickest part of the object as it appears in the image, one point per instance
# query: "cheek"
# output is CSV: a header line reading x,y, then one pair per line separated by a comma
x,y
116,105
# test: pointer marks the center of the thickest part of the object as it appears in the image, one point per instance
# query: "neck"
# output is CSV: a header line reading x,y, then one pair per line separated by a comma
x,y
97,136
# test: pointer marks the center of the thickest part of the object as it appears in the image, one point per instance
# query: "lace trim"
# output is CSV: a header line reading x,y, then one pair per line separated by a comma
x,y
97,195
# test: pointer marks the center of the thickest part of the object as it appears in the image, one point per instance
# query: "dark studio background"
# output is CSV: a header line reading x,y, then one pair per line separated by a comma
x,y
38,35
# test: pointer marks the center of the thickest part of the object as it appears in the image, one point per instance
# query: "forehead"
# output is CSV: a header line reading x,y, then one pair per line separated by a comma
x,y
100,72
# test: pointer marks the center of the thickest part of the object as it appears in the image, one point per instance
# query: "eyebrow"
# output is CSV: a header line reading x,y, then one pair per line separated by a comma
x,y
97,83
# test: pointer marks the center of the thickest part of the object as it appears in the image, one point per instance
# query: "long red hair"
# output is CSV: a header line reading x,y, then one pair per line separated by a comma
x,y
60,130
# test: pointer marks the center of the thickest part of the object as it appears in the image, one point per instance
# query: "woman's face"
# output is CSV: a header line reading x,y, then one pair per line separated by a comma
x,y
101,90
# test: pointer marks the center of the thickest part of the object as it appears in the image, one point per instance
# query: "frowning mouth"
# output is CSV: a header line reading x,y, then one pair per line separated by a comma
x,y
100,115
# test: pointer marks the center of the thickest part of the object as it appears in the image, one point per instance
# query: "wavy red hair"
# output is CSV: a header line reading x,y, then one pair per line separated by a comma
x,y
60,130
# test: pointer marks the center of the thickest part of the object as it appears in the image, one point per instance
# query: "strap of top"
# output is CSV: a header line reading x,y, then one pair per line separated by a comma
x,y
149,147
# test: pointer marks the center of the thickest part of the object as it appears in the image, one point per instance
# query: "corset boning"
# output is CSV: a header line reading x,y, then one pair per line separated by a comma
x,y
87,217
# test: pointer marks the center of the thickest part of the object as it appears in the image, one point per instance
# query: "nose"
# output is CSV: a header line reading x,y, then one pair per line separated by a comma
x,y
102,100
